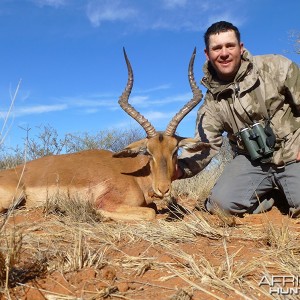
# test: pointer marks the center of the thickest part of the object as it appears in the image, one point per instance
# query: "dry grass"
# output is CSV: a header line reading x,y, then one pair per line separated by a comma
x,y
65,244
197,187
72,207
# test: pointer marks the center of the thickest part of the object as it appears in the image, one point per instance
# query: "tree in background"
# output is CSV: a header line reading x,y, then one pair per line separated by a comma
x,y
297,42
48,142
294,37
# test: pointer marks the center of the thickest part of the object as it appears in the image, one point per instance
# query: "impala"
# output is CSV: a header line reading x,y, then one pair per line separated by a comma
x,y
120,185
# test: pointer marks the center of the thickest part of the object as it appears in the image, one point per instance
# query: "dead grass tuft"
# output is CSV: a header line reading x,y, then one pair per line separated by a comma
x,y
199,224
281,238
197,187
76,208
13,271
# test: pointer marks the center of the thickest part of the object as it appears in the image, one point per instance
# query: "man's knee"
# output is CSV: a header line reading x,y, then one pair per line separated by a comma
x,y
221,203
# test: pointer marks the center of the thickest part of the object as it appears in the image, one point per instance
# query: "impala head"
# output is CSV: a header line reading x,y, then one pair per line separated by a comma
x,y
161,147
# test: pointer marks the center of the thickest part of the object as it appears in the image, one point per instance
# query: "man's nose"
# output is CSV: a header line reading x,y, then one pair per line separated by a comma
x,y
224,51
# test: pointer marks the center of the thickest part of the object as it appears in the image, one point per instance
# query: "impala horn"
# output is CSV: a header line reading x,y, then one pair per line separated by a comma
x,y
197,96
129,109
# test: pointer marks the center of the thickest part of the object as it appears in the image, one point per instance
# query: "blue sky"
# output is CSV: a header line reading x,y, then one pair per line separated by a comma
x,y
68,54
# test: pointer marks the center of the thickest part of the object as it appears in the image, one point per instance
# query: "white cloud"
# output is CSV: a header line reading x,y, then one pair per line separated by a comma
x,y
91,111
38,109
164,14
185,97
90,102
155,88
168,15
158,115
170,4
108,10
53,3
138,100
225,16
157,118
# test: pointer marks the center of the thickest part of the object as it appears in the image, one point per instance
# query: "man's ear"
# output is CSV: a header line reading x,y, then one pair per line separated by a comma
x,y
193,145
133,149
206,53
242,48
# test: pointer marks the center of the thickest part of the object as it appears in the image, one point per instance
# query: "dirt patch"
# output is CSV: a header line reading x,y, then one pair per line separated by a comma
x,y
197,257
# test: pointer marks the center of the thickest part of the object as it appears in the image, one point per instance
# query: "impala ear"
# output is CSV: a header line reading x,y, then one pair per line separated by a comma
x,y
133,149
193,145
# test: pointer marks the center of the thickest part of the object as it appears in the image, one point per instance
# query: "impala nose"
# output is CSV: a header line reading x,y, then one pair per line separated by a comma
x,y
164,190
160,191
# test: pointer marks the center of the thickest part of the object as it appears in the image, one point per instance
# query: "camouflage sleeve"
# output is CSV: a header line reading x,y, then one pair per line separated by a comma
x,y
292,88
292,84
208,129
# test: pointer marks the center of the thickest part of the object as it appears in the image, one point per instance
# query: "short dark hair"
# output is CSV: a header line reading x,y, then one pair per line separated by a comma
x,y
221,26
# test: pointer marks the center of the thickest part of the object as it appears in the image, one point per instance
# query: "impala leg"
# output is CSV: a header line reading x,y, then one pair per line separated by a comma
x,y
9,197
130,213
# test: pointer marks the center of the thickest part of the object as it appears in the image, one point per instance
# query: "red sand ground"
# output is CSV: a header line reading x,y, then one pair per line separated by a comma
x,y
117,283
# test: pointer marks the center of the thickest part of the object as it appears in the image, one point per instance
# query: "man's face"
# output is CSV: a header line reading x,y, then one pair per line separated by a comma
x,y
224,53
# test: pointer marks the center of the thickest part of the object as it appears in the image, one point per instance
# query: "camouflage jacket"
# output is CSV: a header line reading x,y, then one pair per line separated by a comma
x,y
228,108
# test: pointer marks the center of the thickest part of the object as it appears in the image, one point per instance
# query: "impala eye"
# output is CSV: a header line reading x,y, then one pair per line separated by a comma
x,y
146,152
